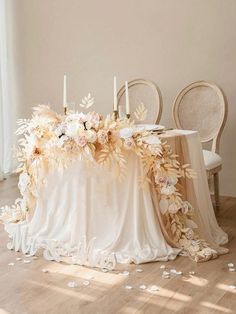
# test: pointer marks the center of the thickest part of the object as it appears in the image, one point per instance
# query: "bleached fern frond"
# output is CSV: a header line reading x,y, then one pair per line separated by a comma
x,y
87,101
46,112
141,112
23,125
104,156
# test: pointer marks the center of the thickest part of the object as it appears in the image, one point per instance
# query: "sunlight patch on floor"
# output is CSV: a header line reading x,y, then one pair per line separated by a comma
x,y
173,306
3,312
197,281
66,291
82,272
174,295
225,287
216,307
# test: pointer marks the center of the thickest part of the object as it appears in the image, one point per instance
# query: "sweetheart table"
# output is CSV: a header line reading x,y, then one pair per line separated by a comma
x,y
84,214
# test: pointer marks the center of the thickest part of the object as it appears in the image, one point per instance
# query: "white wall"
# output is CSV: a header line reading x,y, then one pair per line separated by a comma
x,y
170,42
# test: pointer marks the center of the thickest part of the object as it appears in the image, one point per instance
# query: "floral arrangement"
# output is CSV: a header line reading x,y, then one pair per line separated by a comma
x,y
52,140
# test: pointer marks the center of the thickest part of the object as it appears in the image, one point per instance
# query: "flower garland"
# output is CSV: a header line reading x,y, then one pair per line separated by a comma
x,y
52,140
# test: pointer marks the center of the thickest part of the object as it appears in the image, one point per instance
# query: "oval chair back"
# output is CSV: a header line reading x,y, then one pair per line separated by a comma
x,y
202,106
142,92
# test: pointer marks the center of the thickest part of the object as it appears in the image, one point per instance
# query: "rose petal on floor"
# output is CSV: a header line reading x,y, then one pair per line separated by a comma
x,y
128,287
72,284
142,287
45,270
86,283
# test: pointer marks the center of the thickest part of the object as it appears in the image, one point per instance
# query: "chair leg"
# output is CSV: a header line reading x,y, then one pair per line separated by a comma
x,y
216,191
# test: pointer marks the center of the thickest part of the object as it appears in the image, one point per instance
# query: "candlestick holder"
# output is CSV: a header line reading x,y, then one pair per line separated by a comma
x,y
116,115
65,111
128,115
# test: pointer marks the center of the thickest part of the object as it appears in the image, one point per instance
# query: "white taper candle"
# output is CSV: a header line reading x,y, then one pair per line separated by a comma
x,y
64,92
115,95
127,98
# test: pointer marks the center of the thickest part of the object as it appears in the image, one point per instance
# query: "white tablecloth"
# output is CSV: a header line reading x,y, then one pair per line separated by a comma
x,y
86,201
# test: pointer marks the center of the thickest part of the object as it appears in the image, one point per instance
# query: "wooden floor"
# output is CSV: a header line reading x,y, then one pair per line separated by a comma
x,y
24,288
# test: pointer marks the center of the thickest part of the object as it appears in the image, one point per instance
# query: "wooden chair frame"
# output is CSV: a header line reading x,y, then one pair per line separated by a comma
x,y
215,136
150,84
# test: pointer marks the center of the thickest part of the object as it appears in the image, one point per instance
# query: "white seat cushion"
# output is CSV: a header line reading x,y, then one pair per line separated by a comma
x,y
211,159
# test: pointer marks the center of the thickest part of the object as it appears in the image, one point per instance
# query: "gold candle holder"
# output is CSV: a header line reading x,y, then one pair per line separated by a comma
x,y
65,111
128,115
116,115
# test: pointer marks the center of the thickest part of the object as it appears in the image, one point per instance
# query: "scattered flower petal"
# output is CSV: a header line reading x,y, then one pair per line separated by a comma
x,y
162,267
128,287
232,286
175,272
192,273
45,270
26,261
230,265
139,270
11,264
18,259
125,273
165,275
231,269
142,287
86,283
153,288
72,284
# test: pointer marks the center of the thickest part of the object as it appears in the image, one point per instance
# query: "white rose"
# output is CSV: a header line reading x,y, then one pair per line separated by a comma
x,y
189,233
168,190
126,133
151,139
60,141
24,180
173,208
186,207
73,129
91,136
172,180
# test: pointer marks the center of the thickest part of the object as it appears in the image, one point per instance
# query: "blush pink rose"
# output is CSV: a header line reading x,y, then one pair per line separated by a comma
x,y
102,137
81,141
129,143
160,180
173,208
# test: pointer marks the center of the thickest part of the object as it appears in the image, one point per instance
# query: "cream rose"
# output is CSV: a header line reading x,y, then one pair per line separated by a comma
x,y
81,140
102,137
91,136
173,208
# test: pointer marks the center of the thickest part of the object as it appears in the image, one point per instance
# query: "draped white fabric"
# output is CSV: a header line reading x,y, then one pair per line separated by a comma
x,y
6,112
83,201
90,202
